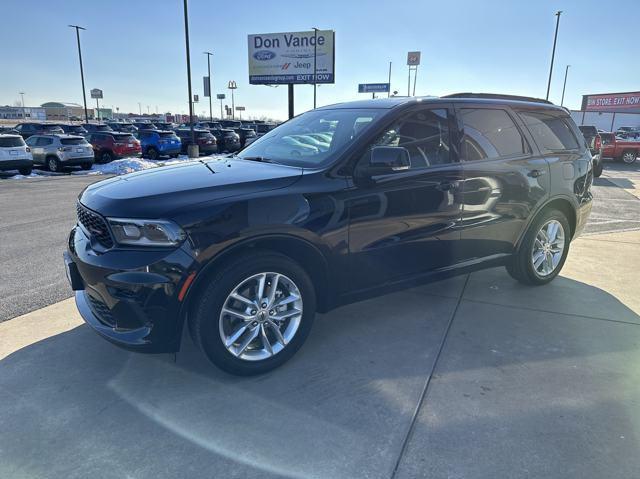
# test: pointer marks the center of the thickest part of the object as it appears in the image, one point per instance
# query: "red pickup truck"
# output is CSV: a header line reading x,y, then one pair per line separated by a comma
x,y
619,149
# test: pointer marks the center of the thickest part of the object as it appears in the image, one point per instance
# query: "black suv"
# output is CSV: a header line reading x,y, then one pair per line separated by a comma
x,y
33,128
337,204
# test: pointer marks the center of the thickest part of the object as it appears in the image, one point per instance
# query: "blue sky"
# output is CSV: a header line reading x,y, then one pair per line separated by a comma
x,y
134,49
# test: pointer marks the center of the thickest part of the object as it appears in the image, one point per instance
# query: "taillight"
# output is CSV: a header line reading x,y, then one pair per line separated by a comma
x,y
28,150
598,143
65,148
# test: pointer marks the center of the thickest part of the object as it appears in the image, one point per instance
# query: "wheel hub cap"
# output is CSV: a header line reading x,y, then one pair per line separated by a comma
x,y
260,316
548,248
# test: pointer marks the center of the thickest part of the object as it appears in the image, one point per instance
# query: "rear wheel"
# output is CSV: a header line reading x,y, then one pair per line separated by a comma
x,y
543,250
86,166
25,171
254,314
153,154
106,157
628,156
597,169
53,164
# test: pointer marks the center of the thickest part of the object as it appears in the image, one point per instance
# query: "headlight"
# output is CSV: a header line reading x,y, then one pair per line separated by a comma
x,y
146,232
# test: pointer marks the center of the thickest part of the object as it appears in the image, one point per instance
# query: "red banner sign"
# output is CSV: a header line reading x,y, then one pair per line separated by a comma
x,y
612,102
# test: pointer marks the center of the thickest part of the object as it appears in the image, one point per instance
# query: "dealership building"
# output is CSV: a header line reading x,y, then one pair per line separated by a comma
x,y
609,111
21,114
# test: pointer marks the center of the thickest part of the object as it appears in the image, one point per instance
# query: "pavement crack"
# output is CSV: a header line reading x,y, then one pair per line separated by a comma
x,y
425,389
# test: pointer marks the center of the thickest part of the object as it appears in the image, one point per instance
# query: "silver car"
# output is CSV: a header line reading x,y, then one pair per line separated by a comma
x,y
56,152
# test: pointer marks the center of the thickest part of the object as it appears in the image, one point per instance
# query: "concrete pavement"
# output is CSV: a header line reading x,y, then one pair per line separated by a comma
x,y
474,377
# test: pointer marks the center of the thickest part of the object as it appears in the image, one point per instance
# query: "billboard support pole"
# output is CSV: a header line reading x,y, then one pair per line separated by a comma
x,y
415,77
613,120
209,83
221,114
583,113
389,92
409,82
290,91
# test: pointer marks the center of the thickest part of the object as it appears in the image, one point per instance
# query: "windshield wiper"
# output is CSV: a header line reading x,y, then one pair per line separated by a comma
x,y
261,159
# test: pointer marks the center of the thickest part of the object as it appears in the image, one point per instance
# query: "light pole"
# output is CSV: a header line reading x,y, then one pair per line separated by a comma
x,y
566,72
84,94
140,108
193,147
315,61
553,52
209,82
389,91
232,86
23,110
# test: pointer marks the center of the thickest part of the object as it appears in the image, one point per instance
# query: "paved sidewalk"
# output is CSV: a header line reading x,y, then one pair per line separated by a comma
x,y
474,377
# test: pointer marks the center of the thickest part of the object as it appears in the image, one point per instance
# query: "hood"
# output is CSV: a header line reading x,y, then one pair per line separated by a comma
x,y
156,192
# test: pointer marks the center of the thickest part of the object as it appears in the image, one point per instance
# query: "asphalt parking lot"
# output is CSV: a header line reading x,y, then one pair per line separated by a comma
x,y
473,377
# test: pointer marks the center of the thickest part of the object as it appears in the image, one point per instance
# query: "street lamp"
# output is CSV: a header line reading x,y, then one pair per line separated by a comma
x,y
553,52
23,110
84,94
566,72
232,86
193,147
209,83
315,59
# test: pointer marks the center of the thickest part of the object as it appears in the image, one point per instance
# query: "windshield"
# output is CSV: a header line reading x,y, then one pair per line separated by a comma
x,y
312,139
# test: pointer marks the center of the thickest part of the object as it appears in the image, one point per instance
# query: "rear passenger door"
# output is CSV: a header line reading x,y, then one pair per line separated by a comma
x,y
504,179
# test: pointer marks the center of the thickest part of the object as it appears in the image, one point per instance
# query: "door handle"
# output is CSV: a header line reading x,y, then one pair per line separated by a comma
x,y
446,185
536,173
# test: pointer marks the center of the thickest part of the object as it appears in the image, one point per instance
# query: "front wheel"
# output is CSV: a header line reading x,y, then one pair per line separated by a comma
x,y
25,171
153,154
543,250
106,157
629,157
86,166
254,314
53,164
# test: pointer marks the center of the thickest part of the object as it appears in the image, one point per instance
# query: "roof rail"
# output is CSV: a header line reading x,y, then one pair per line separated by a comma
x,y
497,97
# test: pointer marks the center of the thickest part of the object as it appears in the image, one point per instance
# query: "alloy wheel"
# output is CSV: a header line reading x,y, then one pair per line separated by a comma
x,y
52,164
260,316
629,157
548,248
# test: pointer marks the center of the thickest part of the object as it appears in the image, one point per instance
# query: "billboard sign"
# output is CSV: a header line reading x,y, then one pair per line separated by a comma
x,y
283,58
619,102
240,108
96,93
413,59
221,96
373,87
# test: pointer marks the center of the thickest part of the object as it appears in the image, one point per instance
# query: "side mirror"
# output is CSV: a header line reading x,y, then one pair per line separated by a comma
x,y
388,159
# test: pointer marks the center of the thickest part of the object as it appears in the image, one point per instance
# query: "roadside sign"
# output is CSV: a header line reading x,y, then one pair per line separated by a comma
x,y
96,93
413,58
232,85
221,96
196,98
373,87
240,108
206,86
288,58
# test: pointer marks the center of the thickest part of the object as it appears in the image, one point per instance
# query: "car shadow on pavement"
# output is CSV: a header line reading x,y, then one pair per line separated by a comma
x,y
75,406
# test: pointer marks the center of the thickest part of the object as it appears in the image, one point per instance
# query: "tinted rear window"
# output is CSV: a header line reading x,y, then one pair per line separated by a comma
x,y
550,132
606,138
73,141
167,134
588,130
123,137
51,128
10,142
490,133
204,134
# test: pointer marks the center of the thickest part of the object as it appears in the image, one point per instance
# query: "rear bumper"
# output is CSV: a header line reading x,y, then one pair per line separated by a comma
x,y
6,165
129,297
77,161
169,150
132,154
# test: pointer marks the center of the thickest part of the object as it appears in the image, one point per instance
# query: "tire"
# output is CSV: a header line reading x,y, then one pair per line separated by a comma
x,y
208,323
53,164
25,171
86,166
152,154
106,157
597,169
628,156
174,155
521,266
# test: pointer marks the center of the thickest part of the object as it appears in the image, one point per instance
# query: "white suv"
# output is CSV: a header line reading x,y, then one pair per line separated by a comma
x,y
15,154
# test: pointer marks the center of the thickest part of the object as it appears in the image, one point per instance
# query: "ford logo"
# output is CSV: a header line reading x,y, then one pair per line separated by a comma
x,y
264,55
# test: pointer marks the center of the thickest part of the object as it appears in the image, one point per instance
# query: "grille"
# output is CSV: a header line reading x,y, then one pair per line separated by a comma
x,y
95,225
102,312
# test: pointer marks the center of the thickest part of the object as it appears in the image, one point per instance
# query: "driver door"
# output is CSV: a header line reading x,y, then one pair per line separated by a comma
x,y
406,222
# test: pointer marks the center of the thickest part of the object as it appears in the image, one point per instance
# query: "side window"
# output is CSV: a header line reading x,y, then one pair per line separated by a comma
x,y
425,135
550,132
31,141
44,141
489,134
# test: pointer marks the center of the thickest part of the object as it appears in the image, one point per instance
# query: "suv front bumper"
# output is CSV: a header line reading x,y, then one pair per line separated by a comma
x,y
129,297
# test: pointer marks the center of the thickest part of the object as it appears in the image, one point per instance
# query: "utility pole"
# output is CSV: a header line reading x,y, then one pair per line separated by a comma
x,y
553,52
140,108
389,92
315,60
566,72
193,147
84,94
209,82
232,86
23,110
